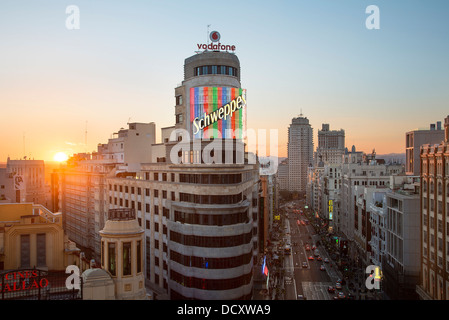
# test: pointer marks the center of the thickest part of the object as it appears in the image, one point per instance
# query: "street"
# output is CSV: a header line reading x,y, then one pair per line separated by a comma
x,y
303,277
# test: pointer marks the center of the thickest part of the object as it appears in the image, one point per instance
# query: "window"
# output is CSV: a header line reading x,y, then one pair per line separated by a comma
x,y
112,267
127,258
41,250
24,250
139,256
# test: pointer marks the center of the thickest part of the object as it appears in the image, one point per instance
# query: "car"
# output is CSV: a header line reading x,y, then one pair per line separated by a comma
x,y
342,281
305,265
330,289
310,257
322,268
319,258
301,297
341,295
338,286
313,247
326,260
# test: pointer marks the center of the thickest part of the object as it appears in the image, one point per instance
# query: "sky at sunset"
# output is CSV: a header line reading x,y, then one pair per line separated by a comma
x,y
127,57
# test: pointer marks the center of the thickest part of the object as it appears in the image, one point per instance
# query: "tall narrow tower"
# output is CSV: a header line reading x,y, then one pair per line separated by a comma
x,y
300,153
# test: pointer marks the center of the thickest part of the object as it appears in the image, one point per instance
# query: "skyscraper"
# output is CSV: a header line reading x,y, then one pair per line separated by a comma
x,y
300,153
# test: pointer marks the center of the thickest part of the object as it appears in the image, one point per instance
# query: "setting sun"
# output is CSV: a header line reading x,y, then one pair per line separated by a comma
x,y
60,156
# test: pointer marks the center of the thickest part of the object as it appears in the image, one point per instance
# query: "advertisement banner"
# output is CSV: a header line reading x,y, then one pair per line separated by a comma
x,y
218,112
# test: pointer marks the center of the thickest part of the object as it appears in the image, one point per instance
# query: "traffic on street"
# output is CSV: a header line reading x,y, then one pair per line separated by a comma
x,y
309,271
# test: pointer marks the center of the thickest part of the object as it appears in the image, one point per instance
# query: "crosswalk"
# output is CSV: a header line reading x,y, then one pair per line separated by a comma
x,y
317,290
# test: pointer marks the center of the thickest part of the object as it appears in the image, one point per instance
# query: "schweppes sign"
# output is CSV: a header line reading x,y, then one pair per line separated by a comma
x,y
218,112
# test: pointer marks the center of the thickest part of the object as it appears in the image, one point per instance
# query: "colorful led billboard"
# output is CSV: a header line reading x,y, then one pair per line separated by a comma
x,y
218,112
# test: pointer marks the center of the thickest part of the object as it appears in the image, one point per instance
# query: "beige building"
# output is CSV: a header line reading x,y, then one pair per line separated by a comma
x,y
32,236
414,140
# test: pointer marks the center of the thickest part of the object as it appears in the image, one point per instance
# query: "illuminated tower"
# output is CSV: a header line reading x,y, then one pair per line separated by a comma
x,y
211,80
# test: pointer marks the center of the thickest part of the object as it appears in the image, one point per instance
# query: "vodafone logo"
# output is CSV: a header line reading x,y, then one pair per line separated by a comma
x,y
214,36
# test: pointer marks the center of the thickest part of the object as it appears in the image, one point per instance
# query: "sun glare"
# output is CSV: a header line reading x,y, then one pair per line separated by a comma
x,y
60,157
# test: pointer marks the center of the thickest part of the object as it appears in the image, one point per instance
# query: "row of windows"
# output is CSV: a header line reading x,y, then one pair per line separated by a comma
x,y
210,178
126,257
211,242
211,284
210,199
211,263
212,219
226,70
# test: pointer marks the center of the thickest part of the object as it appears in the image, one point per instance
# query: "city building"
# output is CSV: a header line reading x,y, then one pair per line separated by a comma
x,y
80,185
198,199
24,181
282,175
331,145
434,273
300,153
400,233
362,176
414,140
31,236
268,206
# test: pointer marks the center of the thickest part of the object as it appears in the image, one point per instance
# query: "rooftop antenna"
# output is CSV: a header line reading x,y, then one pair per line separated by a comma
x,y
300,113
24,153
207,35
85,139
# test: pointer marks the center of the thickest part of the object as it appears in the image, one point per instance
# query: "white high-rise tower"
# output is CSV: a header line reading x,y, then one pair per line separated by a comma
x,y
300,153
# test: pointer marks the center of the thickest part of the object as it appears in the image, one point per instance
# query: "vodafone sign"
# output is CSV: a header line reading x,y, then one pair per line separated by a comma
x,y
214,36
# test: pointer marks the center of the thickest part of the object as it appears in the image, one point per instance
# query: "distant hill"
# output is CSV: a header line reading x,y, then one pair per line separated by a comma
x,y
392,157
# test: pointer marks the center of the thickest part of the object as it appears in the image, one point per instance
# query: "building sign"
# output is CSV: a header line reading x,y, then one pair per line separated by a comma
x,y
218,112
214,36
21,281
36,284
331,209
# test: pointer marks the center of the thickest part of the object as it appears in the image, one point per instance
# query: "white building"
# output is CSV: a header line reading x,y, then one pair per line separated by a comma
x,y
331,145
300,153
401,263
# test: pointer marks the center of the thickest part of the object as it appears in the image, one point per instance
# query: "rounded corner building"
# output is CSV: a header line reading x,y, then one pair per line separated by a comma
x,y
201,213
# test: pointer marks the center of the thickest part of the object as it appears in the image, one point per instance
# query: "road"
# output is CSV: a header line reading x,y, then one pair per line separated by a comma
x,y
310,282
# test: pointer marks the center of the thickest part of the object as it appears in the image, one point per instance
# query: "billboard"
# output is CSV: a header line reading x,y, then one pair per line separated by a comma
x,y
218,112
